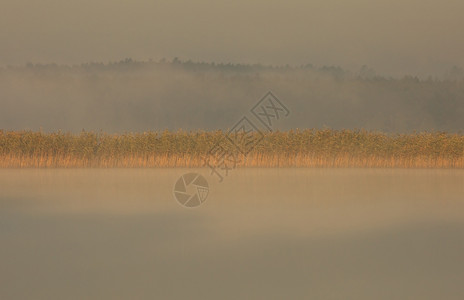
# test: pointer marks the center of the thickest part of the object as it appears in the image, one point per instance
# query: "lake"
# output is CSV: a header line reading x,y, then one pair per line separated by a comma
x,y
260,234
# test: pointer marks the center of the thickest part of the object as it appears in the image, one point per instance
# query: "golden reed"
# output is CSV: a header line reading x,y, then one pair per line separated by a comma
x,y
296,148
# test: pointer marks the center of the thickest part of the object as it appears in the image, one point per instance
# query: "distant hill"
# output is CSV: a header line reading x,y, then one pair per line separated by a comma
x,y
138,96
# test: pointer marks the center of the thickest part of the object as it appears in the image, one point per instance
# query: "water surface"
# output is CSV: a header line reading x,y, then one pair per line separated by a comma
x,y
261,234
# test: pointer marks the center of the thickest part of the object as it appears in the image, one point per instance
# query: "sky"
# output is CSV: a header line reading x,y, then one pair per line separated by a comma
x,y
395,37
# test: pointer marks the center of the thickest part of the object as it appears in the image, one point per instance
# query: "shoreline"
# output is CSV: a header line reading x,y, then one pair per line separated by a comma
x,y
308,148
261,161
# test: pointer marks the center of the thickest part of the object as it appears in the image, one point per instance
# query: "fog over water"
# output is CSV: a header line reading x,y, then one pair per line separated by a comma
x,y
141,96
349,50
261,234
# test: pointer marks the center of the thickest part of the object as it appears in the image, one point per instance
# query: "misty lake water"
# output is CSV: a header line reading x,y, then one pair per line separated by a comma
x,y
261,234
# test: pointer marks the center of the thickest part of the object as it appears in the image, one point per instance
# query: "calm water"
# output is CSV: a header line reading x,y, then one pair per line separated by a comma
x,y
261,234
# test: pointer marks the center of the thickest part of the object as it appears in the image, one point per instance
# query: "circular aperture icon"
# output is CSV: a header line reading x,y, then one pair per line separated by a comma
x,y
191,190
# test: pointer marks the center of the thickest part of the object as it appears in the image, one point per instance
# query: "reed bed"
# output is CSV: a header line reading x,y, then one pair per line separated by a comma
x,y
295,148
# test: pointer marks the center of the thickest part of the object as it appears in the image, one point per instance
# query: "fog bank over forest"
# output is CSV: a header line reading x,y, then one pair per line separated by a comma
x,y
140,96
395,37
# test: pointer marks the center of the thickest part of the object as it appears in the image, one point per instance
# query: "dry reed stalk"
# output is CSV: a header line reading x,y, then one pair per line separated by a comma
x,y
307,148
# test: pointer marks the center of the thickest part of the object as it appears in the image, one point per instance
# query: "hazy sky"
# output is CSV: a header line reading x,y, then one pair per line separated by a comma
x,y
417,37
